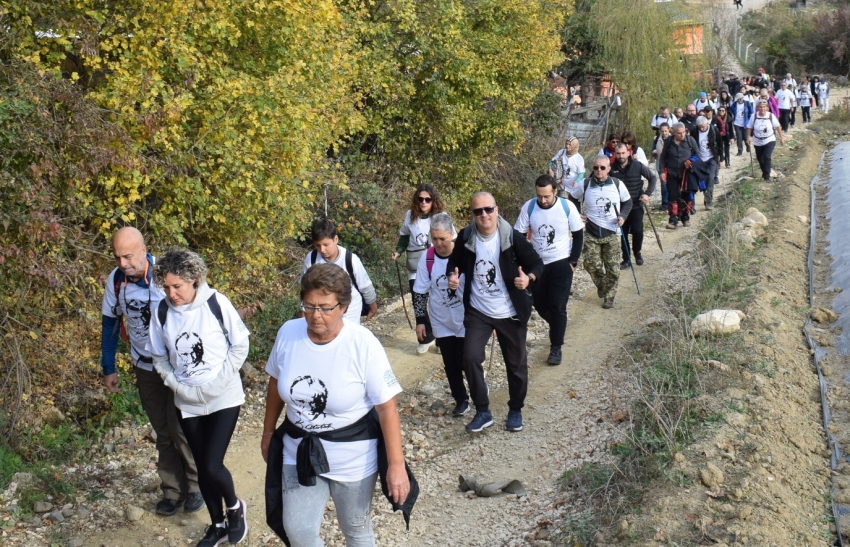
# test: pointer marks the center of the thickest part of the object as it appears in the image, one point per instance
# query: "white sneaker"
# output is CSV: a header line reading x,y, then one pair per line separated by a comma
x,y
423,348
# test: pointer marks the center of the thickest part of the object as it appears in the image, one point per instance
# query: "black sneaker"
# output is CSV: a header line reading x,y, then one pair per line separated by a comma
x,y
460,409
237,522
638,259
625,265
514,421
554,355
168,507
193,503
216,535
480,421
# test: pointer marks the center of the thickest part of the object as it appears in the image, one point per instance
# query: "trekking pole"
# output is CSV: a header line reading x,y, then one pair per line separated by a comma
x,y
752,171
401,291
652,223
628,254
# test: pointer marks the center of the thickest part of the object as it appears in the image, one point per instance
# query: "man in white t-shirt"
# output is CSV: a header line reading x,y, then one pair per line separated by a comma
x,y
129,297
785,100
499,264
663,116
326,248
607,203
741,111
567,167
557,234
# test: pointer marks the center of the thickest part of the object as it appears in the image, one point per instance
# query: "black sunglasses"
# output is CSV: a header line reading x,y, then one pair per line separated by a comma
x,y
599,167
481,210
420,199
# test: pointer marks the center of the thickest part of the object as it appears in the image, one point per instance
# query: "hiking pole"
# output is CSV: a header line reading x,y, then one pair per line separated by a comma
x,y
628,254
652,223
752,171
401,292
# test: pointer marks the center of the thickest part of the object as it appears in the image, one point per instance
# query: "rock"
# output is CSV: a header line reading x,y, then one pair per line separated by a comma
x,y
74,542
22,479
429,389
57,516
711,475
679,457
620,415
53,416
68,513
717,322
82,512
803,218
756,216
717,365
184,522
41,507
746,237
745,512
824,315
134,513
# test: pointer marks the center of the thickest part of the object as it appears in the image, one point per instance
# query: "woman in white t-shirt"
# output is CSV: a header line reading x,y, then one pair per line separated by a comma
x,y
198,344
761,132
415,238
330,374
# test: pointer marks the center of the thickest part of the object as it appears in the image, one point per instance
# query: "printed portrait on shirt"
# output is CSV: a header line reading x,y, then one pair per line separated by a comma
x,y
310,398
190,352
485,276
138,314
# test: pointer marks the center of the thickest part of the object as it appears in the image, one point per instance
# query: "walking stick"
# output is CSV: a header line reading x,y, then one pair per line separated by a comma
x,y
752,172
628,254
401,291
652,223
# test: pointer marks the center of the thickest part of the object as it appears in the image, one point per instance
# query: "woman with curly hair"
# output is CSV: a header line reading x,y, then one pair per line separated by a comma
x,y
415,238
198,344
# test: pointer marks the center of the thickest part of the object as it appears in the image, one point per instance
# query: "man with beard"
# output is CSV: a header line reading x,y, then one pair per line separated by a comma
x,y
690,117
675,159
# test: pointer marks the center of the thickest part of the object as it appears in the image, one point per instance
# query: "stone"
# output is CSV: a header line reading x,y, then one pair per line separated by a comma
x,y
82,512
68,513
74,542
22,479
803,218
57,516
824,315
679,457
717,322
717,365
745,237
429,389
134,513
756,216
711,475
41,507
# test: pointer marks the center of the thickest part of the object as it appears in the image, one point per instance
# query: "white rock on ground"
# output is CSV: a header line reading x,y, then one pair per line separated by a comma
x,y
717,322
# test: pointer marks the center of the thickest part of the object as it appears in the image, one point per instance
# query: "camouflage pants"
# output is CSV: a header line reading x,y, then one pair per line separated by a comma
x,y
602,261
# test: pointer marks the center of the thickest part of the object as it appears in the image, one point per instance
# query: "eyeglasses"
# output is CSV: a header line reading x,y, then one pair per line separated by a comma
x,y
600,167
322,311
482,210
421,199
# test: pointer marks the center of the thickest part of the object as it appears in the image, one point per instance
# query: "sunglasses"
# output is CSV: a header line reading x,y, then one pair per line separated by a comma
x,y
482,210
599,167
421,199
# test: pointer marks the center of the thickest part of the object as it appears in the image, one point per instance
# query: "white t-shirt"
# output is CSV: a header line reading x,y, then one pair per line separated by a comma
x,y
489,293
363,280
702,141
551,230
702,103
446,306
764,129
823,90
658,119
420,235
602,203
135,304
194,342
573,167
330,386
785,99
739,114
804,97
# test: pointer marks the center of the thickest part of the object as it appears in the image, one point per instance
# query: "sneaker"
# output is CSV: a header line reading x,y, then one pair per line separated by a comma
x,y
514,421
554,356
216,535
686,223
480,421
194,502
638,259
168,507
741,153
423,348
708,207
460,409
237,523
624,265
608,304
670,226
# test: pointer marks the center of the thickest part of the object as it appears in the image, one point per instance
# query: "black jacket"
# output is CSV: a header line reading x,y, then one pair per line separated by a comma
x,y
690,123
733,85
714,143
515,252
673,156
632,176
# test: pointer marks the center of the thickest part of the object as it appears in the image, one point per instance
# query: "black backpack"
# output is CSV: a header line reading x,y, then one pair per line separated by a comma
x,y
349,268
212,302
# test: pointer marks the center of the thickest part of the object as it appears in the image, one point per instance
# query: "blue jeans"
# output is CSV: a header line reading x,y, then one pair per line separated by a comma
x,y
304,506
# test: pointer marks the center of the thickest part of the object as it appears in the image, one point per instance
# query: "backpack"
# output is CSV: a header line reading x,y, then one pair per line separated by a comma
x,y
587,184
531,209
118,279
212,302
349,268
429,259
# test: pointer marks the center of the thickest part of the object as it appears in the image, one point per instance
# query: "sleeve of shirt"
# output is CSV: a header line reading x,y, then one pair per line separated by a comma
x,y
273,364
157,343
307,264
775,121
109,333
423,278
405,226
109,306
381,384
641,156
522,220
577,191
364,282
575,221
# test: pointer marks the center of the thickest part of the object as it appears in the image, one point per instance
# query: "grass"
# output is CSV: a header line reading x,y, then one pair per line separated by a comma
x,y
837,120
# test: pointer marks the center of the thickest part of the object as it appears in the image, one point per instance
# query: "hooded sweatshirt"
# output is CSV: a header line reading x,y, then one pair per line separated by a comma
x,y
196,358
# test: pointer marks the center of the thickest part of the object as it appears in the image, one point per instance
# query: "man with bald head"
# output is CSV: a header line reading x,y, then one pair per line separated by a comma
x,y
499,264
129,298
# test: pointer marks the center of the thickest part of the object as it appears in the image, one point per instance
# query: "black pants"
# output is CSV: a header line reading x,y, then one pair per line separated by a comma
x,y
784,118
634,226
512,335
550,295
764,155
807,113
679,203
208,437
429,334
793,117
451,349
727,144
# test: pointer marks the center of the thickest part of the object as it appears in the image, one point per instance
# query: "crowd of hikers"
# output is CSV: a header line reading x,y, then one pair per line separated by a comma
x,y
330,377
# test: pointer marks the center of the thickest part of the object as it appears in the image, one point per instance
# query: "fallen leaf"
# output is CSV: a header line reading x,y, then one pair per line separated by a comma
x,y
571,395
660,535
716,495
620,415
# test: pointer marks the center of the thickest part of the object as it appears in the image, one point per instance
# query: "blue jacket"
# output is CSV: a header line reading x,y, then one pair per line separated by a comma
x,y
748,111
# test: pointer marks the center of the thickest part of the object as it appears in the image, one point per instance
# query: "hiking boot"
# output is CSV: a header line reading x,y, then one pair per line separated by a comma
x,y
748,148
741,153
168,507
193,503
216,535
423,348
670,226
554,355
638,259
460,409
708,207
237,523
608,304
686,223
599,293
480,421
514,421
625,265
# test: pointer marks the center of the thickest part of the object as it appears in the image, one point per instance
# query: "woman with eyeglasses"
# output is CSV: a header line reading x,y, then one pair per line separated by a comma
x,y
334,380
198,344
761,132
723,121
610,145
415,238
